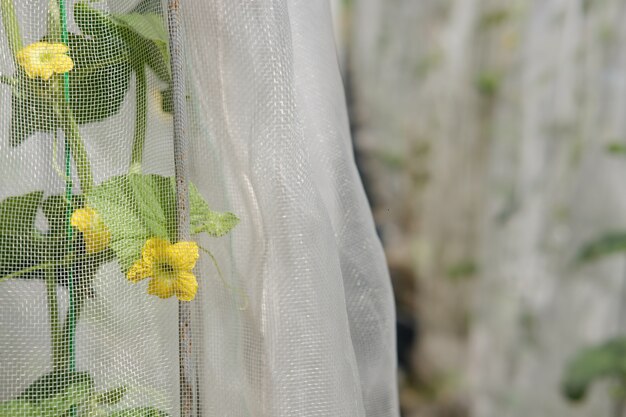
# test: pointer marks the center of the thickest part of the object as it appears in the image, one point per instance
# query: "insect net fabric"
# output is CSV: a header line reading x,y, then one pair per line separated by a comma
x,y
293,313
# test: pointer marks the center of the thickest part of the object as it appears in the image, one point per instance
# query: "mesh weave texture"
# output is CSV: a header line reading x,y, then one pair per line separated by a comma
x,y
293,313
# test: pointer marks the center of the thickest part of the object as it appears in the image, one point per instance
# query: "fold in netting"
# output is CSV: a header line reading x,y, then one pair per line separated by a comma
x,y
291,312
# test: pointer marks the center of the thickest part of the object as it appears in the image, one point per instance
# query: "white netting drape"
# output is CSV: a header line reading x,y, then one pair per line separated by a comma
x,y
292,315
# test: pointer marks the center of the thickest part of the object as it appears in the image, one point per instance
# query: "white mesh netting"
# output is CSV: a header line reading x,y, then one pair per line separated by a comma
x,y
291,305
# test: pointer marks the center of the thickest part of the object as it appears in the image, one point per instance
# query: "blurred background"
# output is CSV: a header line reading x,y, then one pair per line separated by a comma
x,y
491,137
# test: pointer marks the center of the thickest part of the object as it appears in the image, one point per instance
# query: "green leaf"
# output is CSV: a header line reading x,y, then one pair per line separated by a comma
x,y
591,364
17,408
25,251
488,84
113,201
85,264
148,6
61,403
118,211
494,18
139,412
147,38
54,383
149,26
608,244
111,397
20,243
135,208
144,34
616,148
31,109
98,82
155,199
76,389
128,250
203,219
23,246
55,210
157,58
17,214
465,268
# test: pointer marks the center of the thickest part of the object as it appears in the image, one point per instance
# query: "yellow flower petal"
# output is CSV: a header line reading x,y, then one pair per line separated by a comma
x,y
95,233
97,241
139,271
155,250
62,64
162,288
55,48
183,255
186,286
46,73
43,59
169,266
81,218
26,54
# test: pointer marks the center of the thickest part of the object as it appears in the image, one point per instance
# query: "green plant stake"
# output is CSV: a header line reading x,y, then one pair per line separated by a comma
x,y
71,316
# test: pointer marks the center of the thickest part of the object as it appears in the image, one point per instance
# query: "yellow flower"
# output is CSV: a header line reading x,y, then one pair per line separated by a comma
x,y
170,267
95,233
42,59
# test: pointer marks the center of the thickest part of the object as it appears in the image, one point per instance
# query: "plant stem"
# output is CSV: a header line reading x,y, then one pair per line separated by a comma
x,y
217,267
53,312
26,271
68,333
79,153
140,120
240,292
54,21
68,124
76,144
11,27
